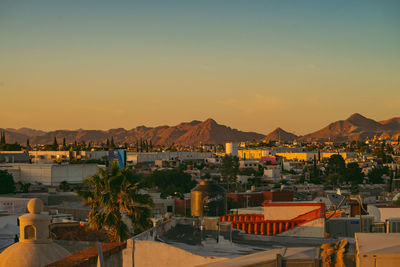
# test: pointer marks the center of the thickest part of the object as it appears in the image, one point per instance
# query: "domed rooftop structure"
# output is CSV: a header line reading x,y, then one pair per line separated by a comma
x,y
35,248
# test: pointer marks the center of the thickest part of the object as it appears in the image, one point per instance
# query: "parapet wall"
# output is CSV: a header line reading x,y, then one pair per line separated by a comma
x,y
150,253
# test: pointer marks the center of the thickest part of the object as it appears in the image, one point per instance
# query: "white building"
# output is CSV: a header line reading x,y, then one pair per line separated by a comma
x,y
272,173
133,158
50,174
253,164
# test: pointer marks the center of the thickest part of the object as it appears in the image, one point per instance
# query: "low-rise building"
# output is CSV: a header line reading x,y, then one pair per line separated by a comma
x,y
50,174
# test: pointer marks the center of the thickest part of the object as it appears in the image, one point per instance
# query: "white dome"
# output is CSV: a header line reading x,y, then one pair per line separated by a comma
x,y
35,248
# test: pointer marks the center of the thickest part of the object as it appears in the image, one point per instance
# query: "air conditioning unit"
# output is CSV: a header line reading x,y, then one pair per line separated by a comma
x,y
379,227
367,222
346,227
394,225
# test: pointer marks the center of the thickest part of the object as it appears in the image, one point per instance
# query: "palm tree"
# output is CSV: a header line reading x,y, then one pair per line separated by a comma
x,y
113,195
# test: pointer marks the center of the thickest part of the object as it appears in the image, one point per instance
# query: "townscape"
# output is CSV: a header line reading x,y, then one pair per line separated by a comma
x,y
199,133
293,192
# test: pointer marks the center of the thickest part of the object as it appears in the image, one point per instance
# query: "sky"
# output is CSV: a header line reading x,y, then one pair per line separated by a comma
x,y
252,65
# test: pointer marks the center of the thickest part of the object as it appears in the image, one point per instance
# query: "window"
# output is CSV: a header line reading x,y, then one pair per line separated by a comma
x,y
169,208
30,232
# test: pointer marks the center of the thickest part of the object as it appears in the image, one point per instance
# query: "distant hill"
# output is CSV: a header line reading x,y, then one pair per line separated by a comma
x,y
280,135
26,131
356,127
391,124
12,137
187,133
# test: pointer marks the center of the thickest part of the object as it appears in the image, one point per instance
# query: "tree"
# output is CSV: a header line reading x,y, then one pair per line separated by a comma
x,y
23,187
375,176
3,138
112,143
336,164
7,182
229,169
64,186
27,144
10,147
171,182
64,144
113,195
353,174
333,179
55,144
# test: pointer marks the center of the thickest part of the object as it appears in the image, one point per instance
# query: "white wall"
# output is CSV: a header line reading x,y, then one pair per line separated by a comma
x,y
72,173
272,173
32,173
50,174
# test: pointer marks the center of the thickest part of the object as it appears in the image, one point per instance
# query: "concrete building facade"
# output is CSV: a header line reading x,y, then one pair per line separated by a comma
x,y
50,174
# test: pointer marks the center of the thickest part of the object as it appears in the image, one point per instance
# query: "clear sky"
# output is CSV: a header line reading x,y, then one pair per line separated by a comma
x,y
252,65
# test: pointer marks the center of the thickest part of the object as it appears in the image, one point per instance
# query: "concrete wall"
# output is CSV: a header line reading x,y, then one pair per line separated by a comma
x,y
287,210
376,249
151,253
50,174
151,234
315,228
272,173
13,205
72,173
35,173
389,212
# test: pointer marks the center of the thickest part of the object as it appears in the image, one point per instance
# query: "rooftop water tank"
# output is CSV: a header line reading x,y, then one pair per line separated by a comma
x,y
208,199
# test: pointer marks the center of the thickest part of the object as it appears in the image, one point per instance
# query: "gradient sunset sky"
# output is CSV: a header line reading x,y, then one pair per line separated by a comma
x,y
252,65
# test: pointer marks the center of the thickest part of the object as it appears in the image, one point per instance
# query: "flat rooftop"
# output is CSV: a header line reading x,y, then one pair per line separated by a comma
x,y
378,243
185,236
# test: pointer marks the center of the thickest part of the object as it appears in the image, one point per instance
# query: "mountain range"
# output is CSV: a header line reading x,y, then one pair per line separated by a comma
x,y
186,133
356,127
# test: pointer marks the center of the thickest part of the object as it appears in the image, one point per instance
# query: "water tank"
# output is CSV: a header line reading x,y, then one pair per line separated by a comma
x,y
231,149
208,199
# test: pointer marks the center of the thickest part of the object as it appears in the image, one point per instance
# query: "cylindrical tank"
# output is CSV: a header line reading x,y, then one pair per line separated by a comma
x,y
208,199
231,149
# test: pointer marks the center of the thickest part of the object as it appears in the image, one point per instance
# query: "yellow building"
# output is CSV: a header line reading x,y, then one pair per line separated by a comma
x,y
253,153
